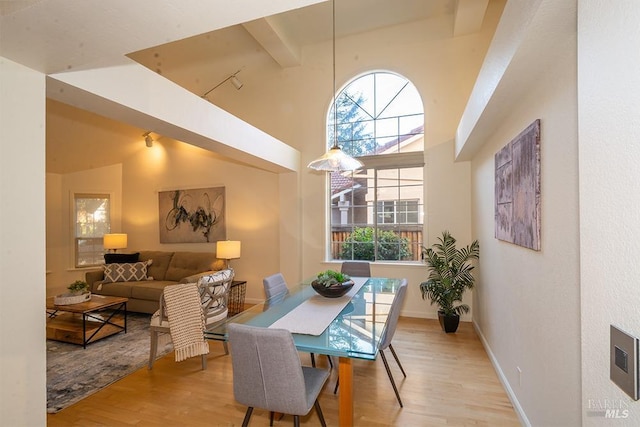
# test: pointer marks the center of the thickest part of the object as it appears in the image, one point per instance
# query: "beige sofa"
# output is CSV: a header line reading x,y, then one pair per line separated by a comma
x,y
167,268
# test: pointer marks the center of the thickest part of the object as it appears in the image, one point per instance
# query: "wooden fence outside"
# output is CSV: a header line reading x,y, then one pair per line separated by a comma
x,y
414,237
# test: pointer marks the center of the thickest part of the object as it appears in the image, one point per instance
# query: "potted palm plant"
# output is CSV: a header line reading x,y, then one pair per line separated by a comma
x,y
449,276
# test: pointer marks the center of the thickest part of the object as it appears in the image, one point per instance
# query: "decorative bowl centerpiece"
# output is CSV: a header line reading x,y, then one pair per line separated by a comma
x,y
79,292
332,284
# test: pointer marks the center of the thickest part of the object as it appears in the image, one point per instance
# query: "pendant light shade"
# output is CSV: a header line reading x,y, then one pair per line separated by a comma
x,y
335,160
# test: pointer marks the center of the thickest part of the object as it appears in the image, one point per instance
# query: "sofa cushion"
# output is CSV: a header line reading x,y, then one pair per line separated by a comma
x,y
185,264
149,290
125,272
114,258
117,289
161,260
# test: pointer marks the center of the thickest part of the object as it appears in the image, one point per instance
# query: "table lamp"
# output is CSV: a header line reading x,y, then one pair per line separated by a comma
x,y
114,241
228,249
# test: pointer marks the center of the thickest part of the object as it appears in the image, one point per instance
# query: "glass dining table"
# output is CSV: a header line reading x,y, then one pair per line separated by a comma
x,y
355,333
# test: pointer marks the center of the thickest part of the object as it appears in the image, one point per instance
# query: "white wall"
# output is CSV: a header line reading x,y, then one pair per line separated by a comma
x,y
252,205
22,249
61,188
527,306
442,68
609,131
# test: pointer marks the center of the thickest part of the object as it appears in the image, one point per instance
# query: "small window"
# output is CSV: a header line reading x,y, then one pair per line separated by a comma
x,y
398,212
92,221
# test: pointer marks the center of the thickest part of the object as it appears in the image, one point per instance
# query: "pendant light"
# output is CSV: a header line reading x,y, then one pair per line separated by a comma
x,y
335,160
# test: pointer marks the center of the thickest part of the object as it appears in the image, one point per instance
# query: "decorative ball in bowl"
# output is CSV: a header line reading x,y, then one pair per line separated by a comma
x,y
332,284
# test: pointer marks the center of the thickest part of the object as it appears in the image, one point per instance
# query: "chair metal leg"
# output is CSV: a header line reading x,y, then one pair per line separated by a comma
x,y
319,411
393,383
271,418
153,348
204,361
313,360
330,361
226,347
397,360
296,421
247,415
335,390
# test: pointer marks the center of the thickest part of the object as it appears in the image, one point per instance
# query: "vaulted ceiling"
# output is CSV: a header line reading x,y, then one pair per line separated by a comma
x,y
57,37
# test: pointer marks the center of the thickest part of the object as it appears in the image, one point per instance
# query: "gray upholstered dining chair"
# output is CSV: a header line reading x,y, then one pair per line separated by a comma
x,y
394,314
267,373
274,285
356,268
392,323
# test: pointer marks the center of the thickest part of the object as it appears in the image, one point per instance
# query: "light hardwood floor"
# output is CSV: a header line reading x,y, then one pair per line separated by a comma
x,y
450,381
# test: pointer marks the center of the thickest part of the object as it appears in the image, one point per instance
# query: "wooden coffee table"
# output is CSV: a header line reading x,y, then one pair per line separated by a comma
x,y
88,321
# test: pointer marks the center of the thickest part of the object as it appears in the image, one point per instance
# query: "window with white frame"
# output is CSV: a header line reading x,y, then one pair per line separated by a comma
x,y
92,222
377,212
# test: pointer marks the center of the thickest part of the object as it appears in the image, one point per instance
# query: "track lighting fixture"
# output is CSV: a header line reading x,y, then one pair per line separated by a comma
x,y
148,139
234,81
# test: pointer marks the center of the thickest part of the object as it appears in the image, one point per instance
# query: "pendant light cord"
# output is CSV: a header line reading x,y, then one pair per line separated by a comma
x,y
335,107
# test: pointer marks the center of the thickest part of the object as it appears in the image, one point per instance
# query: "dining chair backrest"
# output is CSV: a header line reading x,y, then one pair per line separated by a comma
x,y
214,293
274,285
266,369
394,314
356,268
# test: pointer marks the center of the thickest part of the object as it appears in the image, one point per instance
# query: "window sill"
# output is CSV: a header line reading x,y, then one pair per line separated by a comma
x,y
93,267
403,264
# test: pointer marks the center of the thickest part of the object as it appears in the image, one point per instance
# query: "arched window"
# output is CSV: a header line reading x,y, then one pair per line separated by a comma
x,y
377,212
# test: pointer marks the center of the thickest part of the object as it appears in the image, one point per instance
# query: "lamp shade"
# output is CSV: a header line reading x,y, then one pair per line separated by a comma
x,y
228,249
114,241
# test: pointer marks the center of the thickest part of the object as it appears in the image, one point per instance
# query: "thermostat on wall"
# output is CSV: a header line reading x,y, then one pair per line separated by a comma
x,y
623,369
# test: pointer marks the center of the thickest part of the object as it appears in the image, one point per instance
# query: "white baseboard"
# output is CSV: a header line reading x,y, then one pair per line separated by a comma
x,y
503,379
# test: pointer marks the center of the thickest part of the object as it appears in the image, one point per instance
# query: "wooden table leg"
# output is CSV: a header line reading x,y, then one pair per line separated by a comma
x,y
345,397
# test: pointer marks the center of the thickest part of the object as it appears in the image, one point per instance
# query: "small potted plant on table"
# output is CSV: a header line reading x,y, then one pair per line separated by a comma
x,y
449,276
332,284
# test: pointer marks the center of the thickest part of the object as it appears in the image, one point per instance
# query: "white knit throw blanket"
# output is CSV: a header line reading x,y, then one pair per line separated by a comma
x,y
186,321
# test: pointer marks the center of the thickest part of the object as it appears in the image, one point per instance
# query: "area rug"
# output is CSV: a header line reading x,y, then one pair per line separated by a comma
x,y
74,373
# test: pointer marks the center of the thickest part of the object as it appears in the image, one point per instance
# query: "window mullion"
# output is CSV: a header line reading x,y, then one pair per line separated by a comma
x,y
375,216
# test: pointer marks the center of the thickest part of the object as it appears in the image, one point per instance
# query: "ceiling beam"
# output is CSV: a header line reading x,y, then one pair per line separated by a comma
x,y
468,17
530,38
135,95
282,49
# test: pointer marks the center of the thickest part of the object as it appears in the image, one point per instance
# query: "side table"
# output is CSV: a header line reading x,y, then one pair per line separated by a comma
x,y
236,297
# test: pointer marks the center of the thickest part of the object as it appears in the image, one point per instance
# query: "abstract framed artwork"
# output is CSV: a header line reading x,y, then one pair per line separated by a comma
x,y
192,216
517,189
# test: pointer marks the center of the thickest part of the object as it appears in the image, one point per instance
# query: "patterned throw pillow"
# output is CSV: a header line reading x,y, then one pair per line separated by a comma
x,y
126,272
